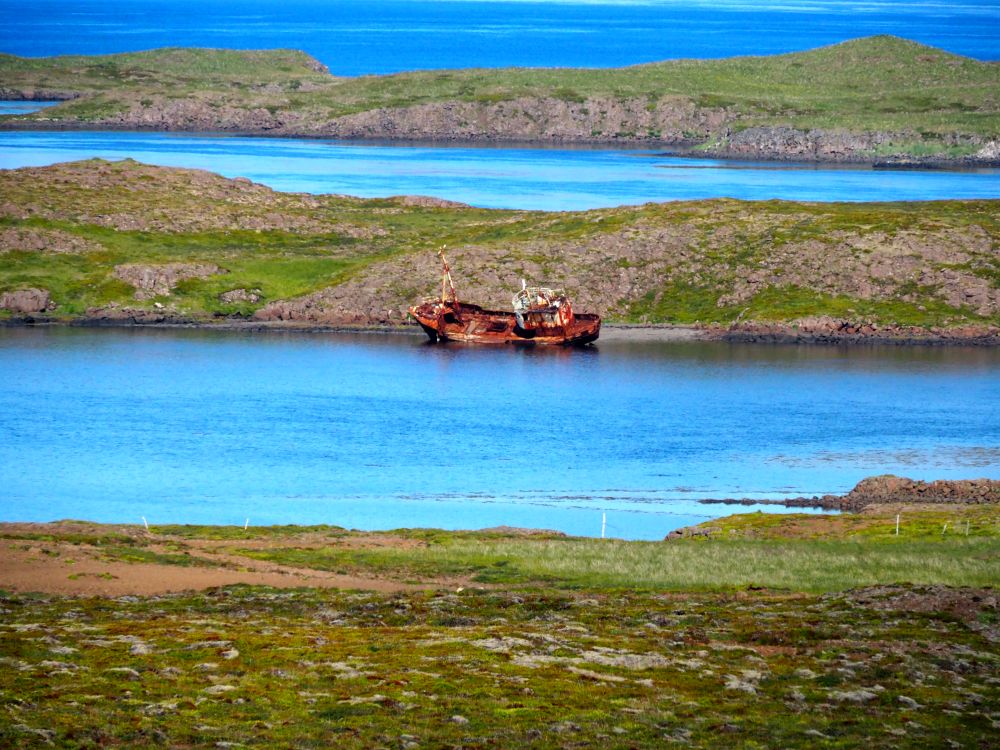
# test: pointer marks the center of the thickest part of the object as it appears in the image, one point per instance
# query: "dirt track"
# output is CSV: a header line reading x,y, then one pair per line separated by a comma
x,y
63,566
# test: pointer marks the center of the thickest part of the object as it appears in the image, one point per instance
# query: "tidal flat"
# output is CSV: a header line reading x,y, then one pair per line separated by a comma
x,y
484,639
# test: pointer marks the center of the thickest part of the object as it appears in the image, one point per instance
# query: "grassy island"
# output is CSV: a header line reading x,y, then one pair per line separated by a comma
x,y
868,99
122,240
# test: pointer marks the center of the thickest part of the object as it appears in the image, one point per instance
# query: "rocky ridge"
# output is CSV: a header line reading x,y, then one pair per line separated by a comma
x,y
674,122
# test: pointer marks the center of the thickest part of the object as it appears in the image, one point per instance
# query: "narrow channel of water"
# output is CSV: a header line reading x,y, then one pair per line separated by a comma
x,y
495,177
386,431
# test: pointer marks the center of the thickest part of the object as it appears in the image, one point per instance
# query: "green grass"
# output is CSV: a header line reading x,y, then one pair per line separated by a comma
x,y
238,532
816,566
132,555
926,525
96,539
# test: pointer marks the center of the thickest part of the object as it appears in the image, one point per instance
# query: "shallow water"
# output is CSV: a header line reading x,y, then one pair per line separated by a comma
x,y
526,178
355,37
384,431
16,107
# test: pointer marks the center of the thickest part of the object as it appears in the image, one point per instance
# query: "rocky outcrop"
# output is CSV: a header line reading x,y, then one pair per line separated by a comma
x,y
890,489
36,94
671,120
34,239
425,201
825,329
691,532
990,152
668,119
241,295
158,280
129,196
784,142
115,315
27,301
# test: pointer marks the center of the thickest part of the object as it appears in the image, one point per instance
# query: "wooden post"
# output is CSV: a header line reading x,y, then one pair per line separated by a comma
x,y
897,524
604,523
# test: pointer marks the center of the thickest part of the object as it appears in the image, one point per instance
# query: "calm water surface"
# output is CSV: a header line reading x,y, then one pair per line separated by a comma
x,y
384,431
379,36
9,107
527,178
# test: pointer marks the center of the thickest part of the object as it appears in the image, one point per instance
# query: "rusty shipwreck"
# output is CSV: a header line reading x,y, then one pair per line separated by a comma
x,y
539,316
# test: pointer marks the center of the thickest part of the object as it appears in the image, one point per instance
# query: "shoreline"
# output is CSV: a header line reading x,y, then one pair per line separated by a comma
x,y
610,332
888,489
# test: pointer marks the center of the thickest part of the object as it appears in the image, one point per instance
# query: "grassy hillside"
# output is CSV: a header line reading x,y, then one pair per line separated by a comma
x,y
98,235
885,84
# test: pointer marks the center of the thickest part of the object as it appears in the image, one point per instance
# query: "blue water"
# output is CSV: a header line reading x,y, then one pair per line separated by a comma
x,y
22,108
384,431
378,36
535,178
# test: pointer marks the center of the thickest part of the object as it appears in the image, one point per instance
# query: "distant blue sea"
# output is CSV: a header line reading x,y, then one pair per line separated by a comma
x,y
355,37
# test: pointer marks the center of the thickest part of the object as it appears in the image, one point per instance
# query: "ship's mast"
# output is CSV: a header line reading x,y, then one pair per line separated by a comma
x,y
446,282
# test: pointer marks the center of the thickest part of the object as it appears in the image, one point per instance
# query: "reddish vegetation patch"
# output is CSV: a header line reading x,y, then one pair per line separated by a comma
x,y
966,604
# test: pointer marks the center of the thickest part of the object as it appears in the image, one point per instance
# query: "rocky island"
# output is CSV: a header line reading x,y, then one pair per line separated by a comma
x,y
875,99
123,242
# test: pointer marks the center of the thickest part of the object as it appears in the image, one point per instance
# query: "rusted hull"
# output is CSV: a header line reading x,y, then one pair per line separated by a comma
x,y
472,324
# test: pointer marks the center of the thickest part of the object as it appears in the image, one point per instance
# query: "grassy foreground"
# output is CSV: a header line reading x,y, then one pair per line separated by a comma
x,y
586,642
941,102
92,233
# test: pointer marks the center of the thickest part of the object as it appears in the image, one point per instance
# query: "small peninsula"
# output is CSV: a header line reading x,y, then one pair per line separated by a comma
x,y
98,242
874,99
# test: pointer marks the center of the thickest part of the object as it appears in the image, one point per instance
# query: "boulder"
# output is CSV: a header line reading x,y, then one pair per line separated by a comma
x,y
158,280
27,301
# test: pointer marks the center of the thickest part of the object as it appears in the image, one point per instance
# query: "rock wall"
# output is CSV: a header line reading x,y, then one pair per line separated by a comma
x,y
782,142
670,119
674,120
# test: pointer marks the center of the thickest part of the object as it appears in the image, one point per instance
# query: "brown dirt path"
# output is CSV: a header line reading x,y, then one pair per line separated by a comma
x,y
60,566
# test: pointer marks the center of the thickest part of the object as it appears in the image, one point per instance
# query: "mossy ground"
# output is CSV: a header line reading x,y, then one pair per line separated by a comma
x,y
511,668
575,661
